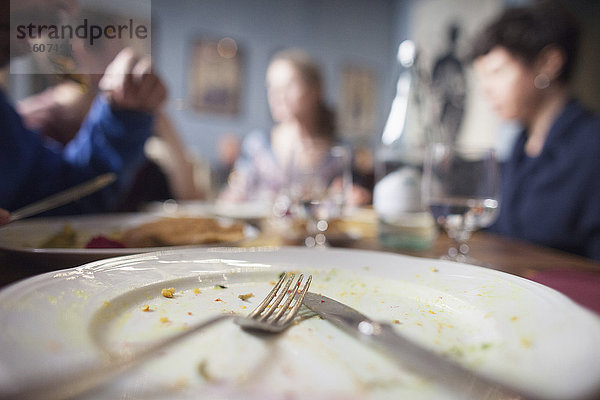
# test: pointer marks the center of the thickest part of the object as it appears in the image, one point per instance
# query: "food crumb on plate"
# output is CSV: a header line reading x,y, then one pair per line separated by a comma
x,y
203,371
164,320
145,307
196,291
168,292
246,296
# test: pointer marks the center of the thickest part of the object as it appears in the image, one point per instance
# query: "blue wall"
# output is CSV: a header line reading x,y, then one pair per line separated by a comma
x,y
335,32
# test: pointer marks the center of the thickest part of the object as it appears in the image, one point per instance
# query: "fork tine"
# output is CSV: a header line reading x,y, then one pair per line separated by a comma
x,y
298,302
268,298
289,299
277,301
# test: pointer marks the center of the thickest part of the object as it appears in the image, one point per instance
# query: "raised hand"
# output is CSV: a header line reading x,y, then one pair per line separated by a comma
x,y
130,83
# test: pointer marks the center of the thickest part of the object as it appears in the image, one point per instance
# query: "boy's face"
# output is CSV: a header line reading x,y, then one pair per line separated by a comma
x,y
508,83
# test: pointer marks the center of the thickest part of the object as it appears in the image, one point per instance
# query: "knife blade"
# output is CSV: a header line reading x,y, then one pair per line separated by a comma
x,y
409,354
66,196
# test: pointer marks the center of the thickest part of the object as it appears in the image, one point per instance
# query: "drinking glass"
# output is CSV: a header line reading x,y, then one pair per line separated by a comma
x,y
461,187
318,191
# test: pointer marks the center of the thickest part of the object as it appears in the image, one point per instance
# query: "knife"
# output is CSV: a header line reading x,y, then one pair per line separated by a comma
x,y
64,197
409,354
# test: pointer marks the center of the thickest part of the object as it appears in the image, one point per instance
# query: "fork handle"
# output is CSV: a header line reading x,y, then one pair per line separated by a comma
x,y
82,381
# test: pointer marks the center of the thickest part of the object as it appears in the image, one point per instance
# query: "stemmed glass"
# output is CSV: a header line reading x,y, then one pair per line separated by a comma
x,y
461,187
318,191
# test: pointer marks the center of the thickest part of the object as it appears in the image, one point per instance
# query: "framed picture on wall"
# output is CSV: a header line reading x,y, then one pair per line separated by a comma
x,y
215,76
357,107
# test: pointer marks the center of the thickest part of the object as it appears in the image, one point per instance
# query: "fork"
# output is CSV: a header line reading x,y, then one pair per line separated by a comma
x,y
270,316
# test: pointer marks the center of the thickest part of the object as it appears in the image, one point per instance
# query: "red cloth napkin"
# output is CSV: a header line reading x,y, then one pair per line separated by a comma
x,y
581,286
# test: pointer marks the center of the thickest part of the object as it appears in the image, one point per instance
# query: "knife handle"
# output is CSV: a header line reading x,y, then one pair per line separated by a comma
x,y
434,366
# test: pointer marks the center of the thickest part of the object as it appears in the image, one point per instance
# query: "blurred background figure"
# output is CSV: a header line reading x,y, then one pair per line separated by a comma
x,y
303,132
187,175
168,171
228,151
550,193
57,112
111,138
363,173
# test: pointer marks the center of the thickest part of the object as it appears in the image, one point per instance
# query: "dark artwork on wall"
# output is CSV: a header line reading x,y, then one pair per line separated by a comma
x,y
449,85
451,102
215,76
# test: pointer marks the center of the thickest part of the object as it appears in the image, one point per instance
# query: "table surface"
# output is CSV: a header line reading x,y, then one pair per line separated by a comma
x,y
530,261
501,253
490,250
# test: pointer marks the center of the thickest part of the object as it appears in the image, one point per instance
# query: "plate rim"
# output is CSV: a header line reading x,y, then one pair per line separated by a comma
x,y
96,252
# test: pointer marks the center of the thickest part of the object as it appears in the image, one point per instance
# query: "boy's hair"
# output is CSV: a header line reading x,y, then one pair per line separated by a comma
x,y
526,31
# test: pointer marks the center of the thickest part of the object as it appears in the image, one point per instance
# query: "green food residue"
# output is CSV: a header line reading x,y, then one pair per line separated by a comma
x,y
65,238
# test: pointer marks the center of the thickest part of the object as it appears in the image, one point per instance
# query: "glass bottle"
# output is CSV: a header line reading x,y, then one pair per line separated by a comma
x,y
403,220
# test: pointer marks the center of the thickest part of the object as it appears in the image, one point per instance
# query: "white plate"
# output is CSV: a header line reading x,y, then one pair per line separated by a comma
x,y
184,208
507,327
247,211
21,239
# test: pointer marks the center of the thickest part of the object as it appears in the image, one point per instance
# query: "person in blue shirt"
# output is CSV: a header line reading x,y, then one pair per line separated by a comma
x,y
111,138
551,182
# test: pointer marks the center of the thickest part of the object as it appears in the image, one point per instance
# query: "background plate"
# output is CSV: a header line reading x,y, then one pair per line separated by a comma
x,y
21,239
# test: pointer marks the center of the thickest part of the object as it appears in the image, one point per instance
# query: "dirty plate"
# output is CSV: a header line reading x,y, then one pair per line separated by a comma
x,y
21,240
503,326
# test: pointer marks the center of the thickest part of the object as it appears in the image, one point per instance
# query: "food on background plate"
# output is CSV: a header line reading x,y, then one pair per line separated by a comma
x,y
65,238
163,232
103,242
182,231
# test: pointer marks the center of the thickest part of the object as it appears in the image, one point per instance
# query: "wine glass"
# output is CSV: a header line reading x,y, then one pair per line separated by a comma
x,y
318,190
461,187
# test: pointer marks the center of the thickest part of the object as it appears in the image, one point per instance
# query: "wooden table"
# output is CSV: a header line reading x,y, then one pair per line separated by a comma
x,y
501,253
